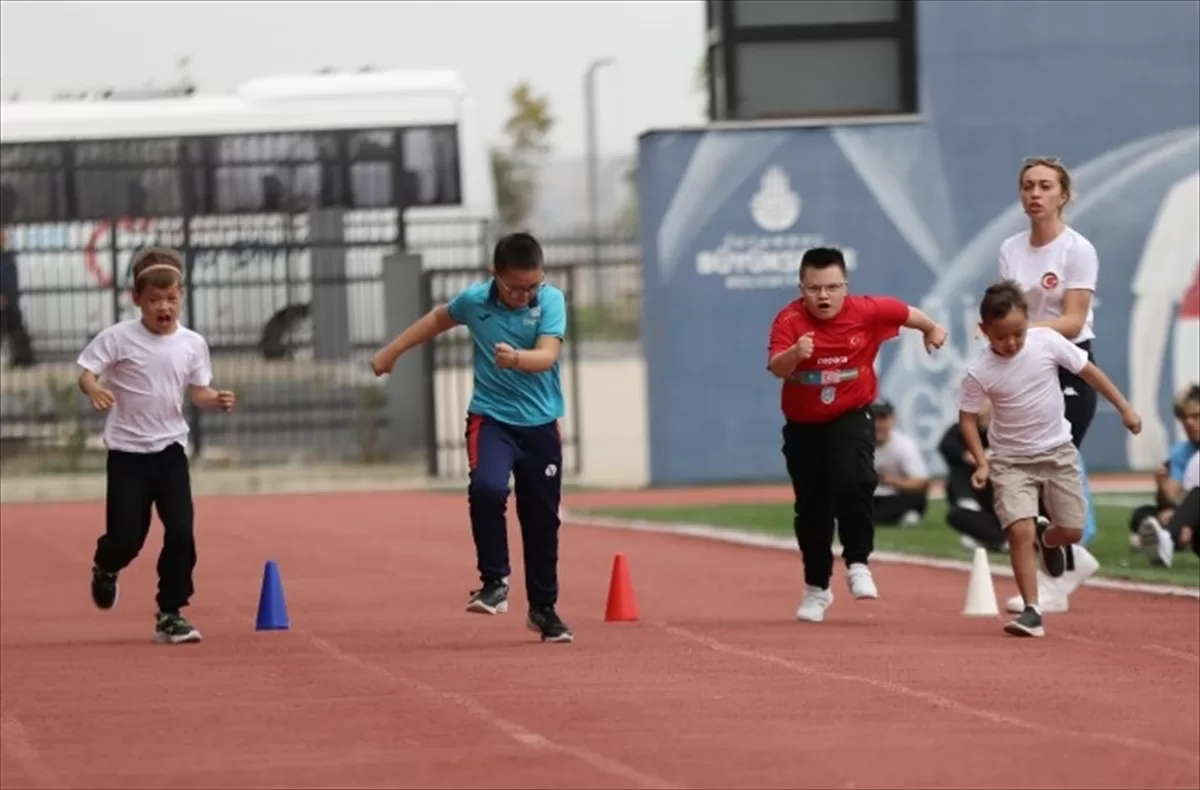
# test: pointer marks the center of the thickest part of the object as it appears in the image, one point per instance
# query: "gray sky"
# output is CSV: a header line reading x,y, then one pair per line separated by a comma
x,y
48,46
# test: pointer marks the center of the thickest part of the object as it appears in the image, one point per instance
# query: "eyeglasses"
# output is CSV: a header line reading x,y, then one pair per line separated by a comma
x,y
519,290
1052,161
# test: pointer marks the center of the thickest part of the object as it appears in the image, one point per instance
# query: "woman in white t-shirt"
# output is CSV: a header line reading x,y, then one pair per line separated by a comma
x,y
1057,269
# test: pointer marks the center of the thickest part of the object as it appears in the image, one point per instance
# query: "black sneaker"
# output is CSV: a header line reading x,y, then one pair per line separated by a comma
x,y
104,588
1054,558
1028,623
174,629
545,621
492,598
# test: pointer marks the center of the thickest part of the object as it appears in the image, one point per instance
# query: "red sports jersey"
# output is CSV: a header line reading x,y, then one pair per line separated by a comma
x,y
839,377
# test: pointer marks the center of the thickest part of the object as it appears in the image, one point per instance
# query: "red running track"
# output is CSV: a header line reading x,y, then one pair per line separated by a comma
x,y
384,680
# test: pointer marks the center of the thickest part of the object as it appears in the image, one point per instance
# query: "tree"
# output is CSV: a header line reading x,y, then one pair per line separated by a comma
x,y
627,215
514,167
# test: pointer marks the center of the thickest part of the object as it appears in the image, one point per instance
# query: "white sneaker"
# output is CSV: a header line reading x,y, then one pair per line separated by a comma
x,y
1052,599
860,581
1053,593
1155,542
816,601
1086,566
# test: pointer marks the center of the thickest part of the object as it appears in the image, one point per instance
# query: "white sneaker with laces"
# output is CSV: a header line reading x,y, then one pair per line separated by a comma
x,y
1052,597
816,601
861,582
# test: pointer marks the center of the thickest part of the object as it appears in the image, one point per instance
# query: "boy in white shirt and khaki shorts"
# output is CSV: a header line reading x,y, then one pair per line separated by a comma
x,y
1029,438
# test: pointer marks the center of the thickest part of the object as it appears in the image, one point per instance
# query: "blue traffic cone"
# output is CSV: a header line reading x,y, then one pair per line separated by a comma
x,y
272,607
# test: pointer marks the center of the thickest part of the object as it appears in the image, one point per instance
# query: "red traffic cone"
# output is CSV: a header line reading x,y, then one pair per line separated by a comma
x,y
622,604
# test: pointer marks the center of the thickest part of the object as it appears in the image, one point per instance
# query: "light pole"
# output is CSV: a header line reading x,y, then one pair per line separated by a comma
x,y
593,166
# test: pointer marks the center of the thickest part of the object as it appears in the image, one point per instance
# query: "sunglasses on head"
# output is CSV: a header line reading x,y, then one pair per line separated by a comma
x,y
1052,161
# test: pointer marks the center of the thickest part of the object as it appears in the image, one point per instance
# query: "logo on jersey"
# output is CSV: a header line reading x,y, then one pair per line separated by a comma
x,y
1049,281
828,395
856,340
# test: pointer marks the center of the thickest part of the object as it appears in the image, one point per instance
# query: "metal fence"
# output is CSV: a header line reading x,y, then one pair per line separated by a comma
x,y
292,308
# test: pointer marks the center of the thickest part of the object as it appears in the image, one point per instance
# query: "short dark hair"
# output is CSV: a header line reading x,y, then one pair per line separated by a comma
x,y
517,251
882,409
822,258
1000,299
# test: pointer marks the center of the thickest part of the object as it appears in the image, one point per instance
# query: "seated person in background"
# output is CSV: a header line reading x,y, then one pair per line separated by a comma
x,y
902,493
969,511
1146,521
1159,543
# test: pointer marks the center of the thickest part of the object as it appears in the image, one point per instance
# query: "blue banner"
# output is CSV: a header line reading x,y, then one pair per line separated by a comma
x,y
921,208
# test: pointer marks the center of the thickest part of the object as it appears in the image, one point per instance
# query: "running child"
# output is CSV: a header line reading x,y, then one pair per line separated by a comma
x,y
1029,438
137,370
517,322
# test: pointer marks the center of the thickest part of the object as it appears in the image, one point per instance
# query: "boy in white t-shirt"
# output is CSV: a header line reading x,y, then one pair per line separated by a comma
x,y
145,364
1029,438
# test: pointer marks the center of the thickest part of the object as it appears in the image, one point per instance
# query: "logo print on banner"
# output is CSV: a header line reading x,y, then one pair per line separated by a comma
x,y
769,256
828,395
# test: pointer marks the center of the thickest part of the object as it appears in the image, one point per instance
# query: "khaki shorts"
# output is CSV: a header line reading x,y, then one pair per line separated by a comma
x,y
1056,475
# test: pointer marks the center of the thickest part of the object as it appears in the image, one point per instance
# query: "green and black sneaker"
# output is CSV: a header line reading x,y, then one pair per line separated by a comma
x,y
545,621
174,629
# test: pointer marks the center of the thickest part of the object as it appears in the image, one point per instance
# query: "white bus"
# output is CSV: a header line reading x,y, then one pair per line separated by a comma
x,y
253,169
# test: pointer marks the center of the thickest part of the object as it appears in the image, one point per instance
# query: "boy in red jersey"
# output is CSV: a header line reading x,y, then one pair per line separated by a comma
x,y
823,346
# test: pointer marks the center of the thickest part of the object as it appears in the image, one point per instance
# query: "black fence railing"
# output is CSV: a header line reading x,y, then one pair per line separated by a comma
x,y
292,307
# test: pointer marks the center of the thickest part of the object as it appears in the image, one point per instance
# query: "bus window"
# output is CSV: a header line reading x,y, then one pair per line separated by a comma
x,y
431,157
33,187
136,178
371,157
268,173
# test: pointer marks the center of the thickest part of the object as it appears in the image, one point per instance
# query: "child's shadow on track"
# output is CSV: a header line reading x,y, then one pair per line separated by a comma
x,y
105,642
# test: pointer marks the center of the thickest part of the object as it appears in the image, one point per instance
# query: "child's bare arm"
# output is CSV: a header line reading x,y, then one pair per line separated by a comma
x,y
88,382
968,425
89,385
424,329
209,398
1104,385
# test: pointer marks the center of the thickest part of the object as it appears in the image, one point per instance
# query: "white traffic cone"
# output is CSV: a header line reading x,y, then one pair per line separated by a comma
x,y
981,592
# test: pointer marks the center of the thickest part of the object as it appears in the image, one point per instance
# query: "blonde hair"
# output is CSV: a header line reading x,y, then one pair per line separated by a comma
x,y
1189,394
157,267
1055,164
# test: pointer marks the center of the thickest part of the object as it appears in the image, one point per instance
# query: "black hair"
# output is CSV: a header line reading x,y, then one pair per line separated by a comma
x,y
1000,299
822,258
519,251
882,409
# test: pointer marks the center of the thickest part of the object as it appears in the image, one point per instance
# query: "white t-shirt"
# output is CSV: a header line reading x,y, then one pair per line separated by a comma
x,y
1027,402
147,373
1046,273
1191,475
899,456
